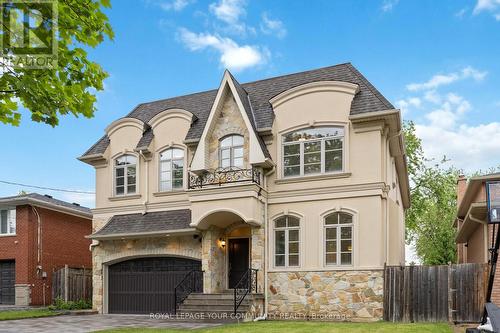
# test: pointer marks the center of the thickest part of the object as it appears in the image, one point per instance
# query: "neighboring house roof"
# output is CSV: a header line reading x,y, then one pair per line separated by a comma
x,y
152,223
257,94
48,202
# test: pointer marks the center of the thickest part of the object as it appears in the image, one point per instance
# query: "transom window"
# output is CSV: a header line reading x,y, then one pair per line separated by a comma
x,y
231,152
313,151
171,169
286,241
125,175
338,239
7,221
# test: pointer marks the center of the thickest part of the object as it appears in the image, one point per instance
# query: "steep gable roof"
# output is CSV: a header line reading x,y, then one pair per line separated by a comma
x,y
368,99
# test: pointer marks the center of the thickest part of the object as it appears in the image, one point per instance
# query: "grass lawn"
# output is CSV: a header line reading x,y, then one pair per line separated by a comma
x,y
308,327
21,314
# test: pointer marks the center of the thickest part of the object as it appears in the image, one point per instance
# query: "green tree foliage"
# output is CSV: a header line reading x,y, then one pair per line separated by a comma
x,y
70,87
429,220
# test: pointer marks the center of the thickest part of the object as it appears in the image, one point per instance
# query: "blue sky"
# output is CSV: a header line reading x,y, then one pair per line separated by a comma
x,y
437,60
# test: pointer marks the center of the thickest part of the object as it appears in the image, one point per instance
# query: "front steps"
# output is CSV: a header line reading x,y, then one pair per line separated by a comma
x,y
217,307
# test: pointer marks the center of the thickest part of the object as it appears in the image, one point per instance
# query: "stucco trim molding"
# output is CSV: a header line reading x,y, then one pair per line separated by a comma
x,y
169,114
314,87
123,122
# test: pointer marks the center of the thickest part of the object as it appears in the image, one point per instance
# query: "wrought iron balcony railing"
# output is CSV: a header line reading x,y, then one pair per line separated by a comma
x,y
220,177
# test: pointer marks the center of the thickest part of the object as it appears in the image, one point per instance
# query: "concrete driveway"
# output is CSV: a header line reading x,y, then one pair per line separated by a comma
x,y
92,323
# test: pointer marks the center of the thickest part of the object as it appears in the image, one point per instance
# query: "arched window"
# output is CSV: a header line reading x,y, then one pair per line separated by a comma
x,y
286,241
125,175
313,151
231,151
171,169
338,239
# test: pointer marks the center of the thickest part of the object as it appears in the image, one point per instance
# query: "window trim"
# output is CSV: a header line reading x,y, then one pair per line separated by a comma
x,y
9,211
345,153
114,167
231,151
161,151
338,238
286,229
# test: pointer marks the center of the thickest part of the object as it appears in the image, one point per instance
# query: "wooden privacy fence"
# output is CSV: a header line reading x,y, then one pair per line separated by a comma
x,y
453,293
72,284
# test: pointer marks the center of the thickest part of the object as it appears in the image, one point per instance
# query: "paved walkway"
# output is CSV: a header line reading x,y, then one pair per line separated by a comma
x,y
90,323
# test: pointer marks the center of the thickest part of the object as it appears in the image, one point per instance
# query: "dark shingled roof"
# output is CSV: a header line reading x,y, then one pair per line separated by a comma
x,y
260,112
148,223
33,197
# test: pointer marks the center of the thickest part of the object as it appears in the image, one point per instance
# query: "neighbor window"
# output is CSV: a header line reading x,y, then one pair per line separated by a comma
x,y
286,241
231,152
171,169
313,151
338,239
7,221
125,175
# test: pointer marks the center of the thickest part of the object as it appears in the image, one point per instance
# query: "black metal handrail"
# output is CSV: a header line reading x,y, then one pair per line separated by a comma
x,y
224,176
246,285
192,282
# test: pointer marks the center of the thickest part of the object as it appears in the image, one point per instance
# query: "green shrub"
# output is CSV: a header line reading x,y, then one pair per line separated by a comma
x,y
60,304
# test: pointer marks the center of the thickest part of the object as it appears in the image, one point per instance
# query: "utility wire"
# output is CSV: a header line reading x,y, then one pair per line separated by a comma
x,y
46,188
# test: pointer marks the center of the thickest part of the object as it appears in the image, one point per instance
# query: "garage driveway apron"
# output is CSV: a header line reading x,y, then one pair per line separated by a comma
x,y
92,323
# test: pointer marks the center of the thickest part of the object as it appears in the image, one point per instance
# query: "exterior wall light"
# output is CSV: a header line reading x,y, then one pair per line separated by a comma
x,y
222,242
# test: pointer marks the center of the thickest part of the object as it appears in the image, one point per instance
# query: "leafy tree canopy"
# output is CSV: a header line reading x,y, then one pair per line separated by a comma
x,y
70,87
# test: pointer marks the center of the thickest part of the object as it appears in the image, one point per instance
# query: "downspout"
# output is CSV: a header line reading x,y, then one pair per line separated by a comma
x,y
266,252
39,268
146,165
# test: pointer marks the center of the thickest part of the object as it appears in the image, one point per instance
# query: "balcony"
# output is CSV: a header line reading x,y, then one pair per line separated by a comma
x,y
219,177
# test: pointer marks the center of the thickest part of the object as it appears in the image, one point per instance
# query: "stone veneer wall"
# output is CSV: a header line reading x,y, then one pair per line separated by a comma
x,y
213,261
229,121
257,255
327,295
106,251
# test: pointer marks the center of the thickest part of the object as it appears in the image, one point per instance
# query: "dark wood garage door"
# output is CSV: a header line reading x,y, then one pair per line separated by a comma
x,y
146,285
7,281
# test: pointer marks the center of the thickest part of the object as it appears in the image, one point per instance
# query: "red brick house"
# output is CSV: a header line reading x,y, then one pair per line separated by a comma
x,y
38,235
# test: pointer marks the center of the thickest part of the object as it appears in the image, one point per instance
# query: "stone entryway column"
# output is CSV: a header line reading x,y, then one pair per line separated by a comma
x,y
258,255
213,261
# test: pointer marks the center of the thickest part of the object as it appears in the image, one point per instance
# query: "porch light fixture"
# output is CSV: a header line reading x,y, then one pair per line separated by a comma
x,y
222,242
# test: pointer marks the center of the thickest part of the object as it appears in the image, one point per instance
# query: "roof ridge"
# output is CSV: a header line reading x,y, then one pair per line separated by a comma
x,y
370,86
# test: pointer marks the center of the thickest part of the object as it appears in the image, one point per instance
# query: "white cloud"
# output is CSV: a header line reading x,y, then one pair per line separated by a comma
x,y
272,26
389,5
446,79
405,105
492,6
228,11
175,5
486,5
233,56
461,13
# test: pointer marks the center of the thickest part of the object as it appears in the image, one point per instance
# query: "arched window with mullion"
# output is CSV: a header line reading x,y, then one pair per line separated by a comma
x,y
171,169
125,175
231,151
338,239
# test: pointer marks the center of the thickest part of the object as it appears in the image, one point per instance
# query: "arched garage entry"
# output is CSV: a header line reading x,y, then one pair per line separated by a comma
x,y
146,285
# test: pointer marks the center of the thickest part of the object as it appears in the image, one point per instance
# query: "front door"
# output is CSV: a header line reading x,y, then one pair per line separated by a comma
x,y
238,252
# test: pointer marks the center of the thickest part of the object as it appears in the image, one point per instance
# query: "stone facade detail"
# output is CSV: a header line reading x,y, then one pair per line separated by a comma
x,y
213,261
111,251
327,295
257,256
228,121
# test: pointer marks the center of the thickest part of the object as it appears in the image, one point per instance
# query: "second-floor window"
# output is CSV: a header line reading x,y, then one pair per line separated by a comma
x,y
313,151
125,175
231,152
171,169
7,221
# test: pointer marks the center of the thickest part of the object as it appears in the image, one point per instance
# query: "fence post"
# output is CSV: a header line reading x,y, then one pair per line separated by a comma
x,y
84,284
66,282
450,293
